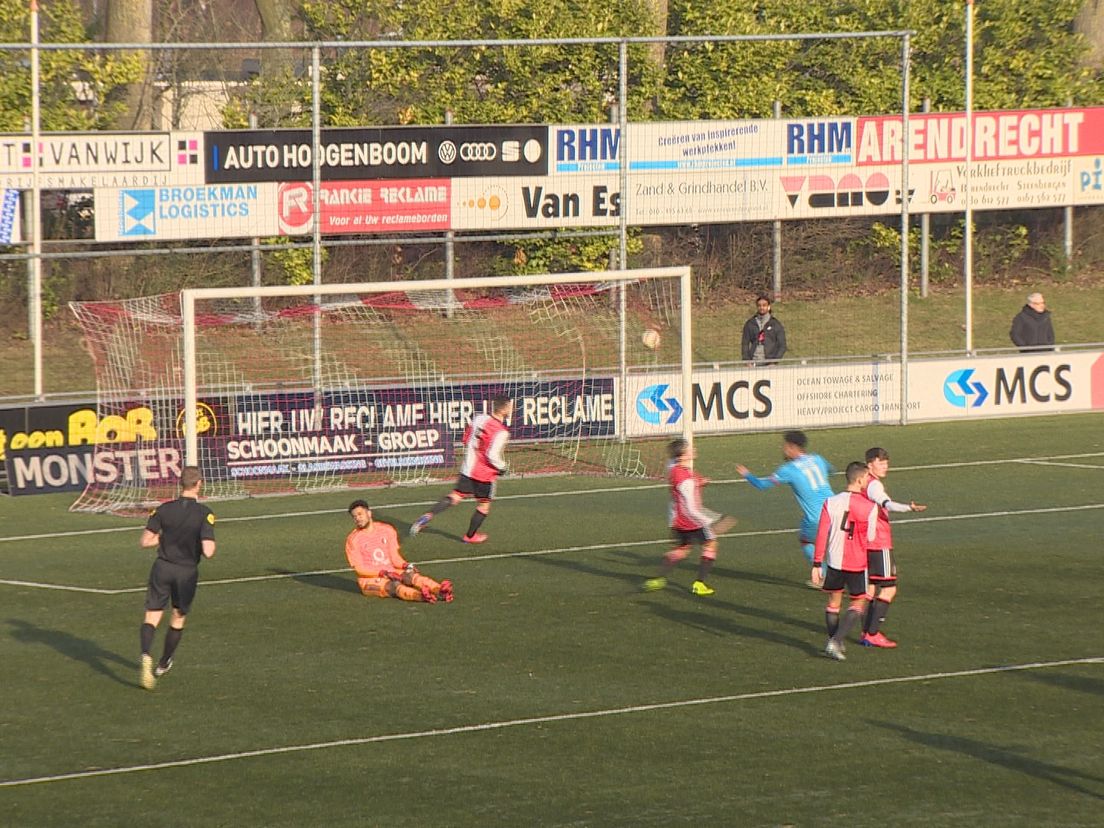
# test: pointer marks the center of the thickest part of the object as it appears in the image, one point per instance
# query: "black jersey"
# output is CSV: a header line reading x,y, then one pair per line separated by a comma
x,y
183,525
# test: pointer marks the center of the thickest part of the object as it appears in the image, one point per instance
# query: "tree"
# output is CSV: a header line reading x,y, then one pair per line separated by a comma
x,y
540,84
76,86
1026,55
1090,24
808,76
131,21
276,27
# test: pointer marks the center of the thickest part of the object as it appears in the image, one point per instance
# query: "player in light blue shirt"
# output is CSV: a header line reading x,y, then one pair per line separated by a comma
x,y
807,474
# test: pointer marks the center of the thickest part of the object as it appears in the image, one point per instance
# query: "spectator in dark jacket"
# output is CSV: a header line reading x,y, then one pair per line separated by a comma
x,y
1031,327
764,338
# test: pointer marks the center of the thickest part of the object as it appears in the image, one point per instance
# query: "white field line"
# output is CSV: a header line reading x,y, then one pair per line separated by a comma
x,y
1062,465
63,587
552,551
562,493
539,720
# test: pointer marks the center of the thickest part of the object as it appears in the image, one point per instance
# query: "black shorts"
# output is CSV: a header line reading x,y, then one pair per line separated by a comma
x,y
881,567
466,487
836,580
688,537
171,582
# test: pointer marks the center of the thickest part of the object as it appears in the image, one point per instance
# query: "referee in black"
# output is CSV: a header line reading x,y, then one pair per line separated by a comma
x,y
183,530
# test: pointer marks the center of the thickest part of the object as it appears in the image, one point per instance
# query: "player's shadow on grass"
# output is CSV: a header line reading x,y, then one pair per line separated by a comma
x,y
321,580
760,578
1084,684
645,567
406,538
718,625
74,647
767,615
590,567
1011,758
635,581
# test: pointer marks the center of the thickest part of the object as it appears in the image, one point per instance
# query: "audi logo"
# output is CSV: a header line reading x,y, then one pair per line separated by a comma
x,y
478,152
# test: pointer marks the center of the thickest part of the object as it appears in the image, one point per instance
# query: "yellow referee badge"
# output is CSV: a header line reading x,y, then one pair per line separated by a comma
x,y
211,518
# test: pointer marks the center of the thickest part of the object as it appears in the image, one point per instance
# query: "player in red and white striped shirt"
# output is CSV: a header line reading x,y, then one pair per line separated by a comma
x,y
484,441
690,522
847,526
881,568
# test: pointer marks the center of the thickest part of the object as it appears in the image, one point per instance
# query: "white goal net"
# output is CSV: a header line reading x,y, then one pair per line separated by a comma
x,y
278,390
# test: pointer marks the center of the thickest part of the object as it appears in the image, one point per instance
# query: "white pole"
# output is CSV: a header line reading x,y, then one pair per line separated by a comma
x,y
450,248
925,233
968,230
623,175
622,224
686,323
1068,235
316,202
35,299
905,63
255,254
776,233
191,396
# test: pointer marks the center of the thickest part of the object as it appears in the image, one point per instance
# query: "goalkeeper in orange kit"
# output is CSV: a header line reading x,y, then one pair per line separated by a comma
x,y
373,552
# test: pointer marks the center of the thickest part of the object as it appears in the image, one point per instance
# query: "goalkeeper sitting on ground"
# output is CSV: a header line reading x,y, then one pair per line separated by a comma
x,y
373,552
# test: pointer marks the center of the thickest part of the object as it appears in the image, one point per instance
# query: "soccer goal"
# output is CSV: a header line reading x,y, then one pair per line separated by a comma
x,y
306,388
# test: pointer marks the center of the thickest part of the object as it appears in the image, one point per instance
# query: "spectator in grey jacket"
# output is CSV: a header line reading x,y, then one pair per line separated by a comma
x,y
1031,327
764,338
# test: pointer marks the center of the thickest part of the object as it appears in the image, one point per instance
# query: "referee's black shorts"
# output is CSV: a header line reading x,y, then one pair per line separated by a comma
x,y
171,582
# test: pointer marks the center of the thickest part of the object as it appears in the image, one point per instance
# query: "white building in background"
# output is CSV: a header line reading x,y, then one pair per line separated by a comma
x,y
192,105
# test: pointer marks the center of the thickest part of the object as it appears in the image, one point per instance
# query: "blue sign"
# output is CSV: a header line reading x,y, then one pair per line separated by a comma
x,y
653,404
960,392
8,206
137,212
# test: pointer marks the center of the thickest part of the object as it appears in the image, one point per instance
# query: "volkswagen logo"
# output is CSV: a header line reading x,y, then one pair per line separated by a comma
x,y
447,152
478,152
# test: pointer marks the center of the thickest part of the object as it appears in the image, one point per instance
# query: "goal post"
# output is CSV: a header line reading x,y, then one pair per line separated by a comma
x,y
305,388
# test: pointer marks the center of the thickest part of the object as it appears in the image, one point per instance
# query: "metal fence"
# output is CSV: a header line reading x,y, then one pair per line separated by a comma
x,y
205,88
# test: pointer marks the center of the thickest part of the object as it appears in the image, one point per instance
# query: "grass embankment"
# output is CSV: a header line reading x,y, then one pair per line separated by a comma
x,y
842,325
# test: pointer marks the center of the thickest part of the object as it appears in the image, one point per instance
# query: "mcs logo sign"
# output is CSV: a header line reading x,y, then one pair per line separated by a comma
x,y
656,407
1042,384
739,400
963,392
1046,383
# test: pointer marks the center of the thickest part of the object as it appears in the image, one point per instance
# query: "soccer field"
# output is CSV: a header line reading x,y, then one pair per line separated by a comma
x,y
553,691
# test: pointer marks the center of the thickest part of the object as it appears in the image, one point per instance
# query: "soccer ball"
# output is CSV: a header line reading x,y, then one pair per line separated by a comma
x,y
650,338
